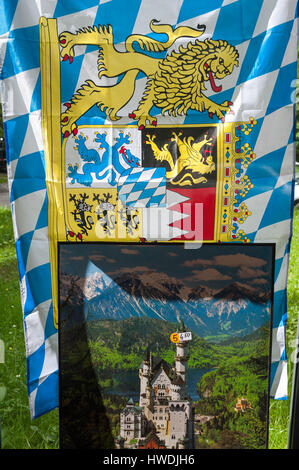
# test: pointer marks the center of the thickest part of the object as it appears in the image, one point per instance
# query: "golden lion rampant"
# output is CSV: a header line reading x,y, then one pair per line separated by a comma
x,y
175,84
191,165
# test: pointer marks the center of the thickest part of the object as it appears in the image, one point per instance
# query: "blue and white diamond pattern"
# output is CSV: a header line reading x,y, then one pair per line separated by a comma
x,y
264,32
143,187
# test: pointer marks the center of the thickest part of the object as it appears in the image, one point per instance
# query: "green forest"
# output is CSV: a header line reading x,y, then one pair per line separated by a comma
x,y
240,371
220,391
122,345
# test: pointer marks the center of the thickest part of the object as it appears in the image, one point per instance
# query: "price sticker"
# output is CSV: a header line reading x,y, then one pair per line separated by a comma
x,y
177,337
174,337
186,336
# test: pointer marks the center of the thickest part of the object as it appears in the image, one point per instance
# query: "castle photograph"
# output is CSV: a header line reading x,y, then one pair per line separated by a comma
x,y
164,417
165,348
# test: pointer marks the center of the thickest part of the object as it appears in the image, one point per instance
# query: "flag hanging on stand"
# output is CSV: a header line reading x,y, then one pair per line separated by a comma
x,y
145,122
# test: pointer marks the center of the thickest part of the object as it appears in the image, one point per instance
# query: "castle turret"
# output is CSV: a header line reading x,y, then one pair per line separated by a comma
x,y
181,357
144,375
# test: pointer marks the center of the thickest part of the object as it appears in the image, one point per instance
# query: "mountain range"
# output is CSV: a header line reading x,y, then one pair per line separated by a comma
x,y
235,310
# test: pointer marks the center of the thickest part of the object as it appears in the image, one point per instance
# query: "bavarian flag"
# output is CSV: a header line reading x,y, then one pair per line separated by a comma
x,y
146,123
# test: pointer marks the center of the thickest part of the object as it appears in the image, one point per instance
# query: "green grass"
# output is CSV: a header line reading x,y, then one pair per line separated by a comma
x,y
18,431
279,410
3,178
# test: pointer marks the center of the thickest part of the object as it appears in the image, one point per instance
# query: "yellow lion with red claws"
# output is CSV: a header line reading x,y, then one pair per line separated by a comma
x,y
175,83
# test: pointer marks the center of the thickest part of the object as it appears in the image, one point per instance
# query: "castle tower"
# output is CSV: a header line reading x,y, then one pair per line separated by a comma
x,y
181,357
144,376
181,432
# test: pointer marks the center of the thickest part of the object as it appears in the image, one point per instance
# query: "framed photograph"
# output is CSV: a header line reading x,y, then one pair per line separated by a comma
x,y
165,346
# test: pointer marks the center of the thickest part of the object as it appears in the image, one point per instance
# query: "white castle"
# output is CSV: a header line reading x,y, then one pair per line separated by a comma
x,y
164,417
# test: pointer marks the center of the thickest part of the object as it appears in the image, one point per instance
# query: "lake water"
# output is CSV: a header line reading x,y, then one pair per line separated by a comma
x,y
126,383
